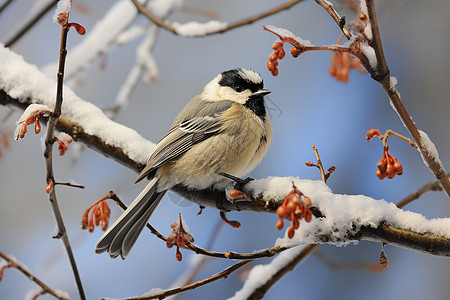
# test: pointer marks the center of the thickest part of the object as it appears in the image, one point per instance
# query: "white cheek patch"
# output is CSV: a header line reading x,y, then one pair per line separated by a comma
x,y
227,93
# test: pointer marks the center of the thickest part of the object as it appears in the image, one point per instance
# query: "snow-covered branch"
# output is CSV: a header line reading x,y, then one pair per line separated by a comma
x,y
339,219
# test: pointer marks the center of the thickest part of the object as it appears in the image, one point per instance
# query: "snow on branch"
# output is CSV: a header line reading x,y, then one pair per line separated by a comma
x,y
338,219
22,81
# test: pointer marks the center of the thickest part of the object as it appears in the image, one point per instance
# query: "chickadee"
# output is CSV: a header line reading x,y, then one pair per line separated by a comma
x,y
223,129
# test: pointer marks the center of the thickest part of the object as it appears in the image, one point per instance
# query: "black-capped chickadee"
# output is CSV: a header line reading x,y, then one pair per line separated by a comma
x,y
223,129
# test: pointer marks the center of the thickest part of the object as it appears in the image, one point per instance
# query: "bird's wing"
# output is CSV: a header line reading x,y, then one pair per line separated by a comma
x,y
180,139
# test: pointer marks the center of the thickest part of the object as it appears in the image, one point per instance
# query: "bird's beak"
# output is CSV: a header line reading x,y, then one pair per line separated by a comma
x,y
261,92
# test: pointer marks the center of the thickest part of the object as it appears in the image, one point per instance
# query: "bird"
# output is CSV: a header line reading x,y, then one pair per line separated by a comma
x,y
223,130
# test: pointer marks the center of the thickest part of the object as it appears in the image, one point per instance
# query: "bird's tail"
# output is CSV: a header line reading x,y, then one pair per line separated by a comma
x,y
122,235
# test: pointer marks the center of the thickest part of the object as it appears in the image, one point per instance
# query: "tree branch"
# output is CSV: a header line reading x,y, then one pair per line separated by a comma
x,y
24,270
142,9
48,156
30,23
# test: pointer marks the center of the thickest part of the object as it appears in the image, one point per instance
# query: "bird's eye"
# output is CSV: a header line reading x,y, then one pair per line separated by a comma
x,y
238,88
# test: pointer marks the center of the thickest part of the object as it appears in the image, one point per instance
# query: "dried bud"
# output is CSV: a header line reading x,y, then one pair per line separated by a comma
x,y
37,126
80,29
84,220
372,133
49,187
61,19
291,232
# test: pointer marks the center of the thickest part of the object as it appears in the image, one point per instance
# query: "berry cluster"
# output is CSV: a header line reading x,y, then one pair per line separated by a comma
x,y
342,63
179,237
99,216
388,166
278,53
294,208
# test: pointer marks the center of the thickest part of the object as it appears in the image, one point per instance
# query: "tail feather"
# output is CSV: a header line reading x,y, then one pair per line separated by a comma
x,y
122,235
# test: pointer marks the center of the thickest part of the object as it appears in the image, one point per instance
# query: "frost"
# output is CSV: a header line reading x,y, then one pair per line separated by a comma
x,y
345,214
429,147
23,81
198,29
286,33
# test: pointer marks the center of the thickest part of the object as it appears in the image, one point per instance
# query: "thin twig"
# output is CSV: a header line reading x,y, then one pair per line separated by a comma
x,y
31,23
224,274
340,21
79,186
4,5
431,186
391,132
27,273
228,254
231,26
319,163
49,141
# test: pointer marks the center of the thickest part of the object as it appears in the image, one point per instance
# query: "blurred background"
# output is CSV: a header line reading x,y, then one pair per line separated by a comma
x,y
307,106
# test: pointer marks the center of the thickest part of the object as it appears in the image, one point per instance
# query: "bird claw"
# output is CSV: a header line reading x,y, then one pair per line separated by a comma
x,y
238,182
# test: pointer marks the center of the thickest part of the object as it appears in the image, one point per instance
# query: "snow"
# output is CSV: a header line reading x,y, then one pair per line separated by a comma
x,y
31,294
99,40
129,35
363,7
369,52
144,61
261,273
3,263
392,83
62,294
430,147
345,214
24,81
31,110
286,33
198,29
63,7
102,38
